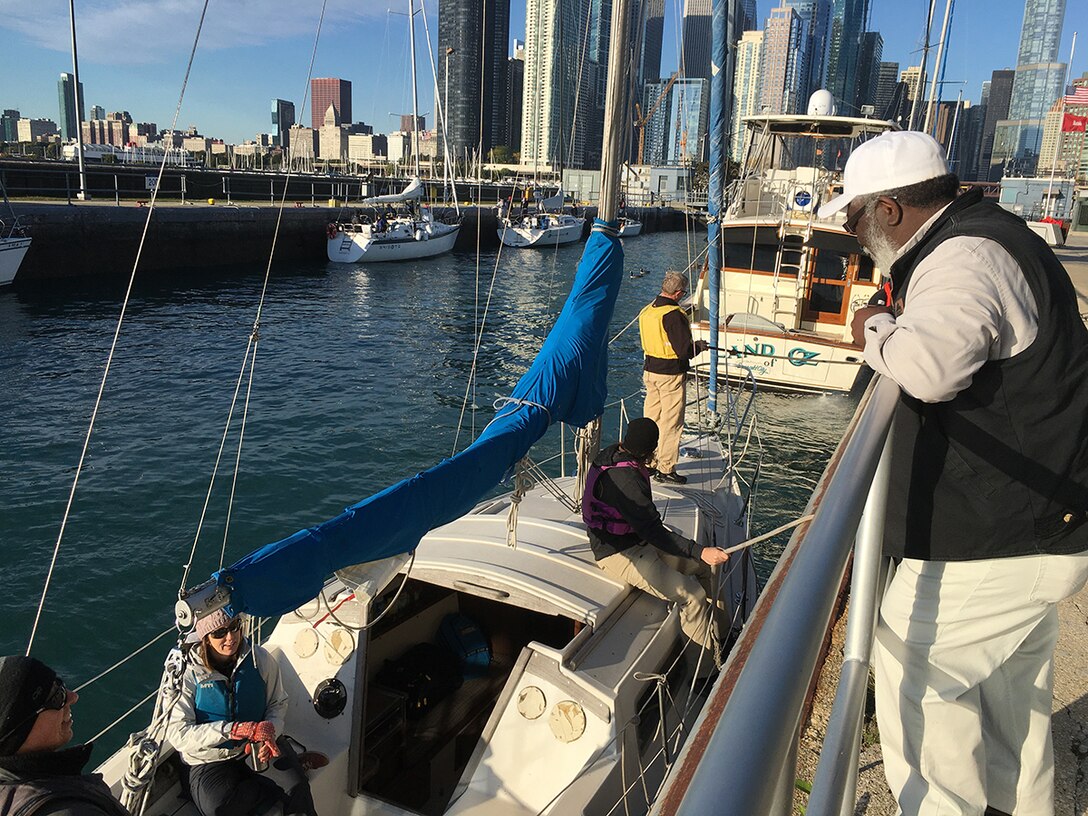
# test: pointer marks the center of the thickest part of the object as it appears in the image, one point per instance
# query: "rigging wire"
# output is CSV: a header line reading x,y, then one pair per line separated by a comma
x,y
116,337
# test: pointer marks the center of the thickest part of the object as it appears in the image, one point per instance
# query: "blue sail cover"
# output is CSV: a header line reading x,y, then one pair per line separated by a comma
x,y
568,378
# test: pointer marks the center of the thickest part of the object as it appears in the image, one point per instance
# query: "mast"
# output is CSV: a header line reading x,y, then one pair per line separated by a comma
x,y
1061,131
78,102
934,88
717,127
919,89
415,101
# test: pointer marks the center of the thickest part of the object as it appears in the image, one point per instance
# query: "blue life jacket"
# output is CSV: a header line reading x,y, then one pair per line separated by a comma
x,y
242,698
601,516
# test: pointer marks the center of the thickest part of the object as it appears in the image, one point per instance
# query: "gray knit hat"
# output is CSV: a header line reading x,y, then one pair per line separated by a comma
x,y
209,623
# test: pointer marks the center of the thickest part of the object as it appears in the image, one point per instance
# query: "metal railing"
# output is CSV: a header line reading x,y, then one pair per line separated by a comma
x,y
741,758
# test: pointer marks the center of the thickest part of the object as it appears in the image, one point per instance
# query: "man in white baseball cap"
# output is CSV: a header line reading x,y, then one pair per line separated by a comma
x,y
987,514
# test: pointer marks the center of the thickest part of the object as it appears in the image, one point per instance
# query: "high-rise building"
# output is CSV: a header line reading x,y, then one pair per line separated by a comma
x,y
748,10
510,134
478,31
651,138
407,125
745,88
98,112
969,142
36,130
991,167
1064,140
697,36
816,21
554,31
332,138
326,91
283,117
872,49
887,79
780,87
912,77
689,109
848,21
9,125
70,116
1036,86
648,68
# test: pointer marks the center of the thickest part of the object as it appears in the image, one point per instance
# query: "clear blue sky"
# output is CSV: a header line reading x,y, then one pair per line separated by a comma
x,y
133,54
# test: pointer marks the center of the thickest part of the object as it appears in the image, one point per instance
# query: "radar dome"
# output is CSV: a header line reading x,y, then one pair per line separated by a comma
x,y
822,103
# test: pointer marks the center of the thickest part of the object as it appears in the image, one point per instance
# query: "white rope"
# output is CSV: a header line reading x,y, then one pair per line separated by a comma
x,y
384,612
113,344
124,660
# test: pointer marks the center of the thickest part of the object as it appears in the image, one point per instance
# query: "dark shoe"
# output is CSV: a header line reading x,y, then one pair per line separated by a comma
x,y
671,477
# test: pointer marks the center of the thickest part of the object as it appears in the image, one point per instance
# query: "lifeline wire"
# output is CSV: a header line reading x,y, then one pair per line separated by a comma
x,y
116,336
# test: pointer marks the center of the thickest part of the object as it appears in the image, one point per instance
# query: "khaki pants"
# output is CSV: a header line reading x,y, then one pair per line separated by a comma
x,y
684,581
665,398
964,682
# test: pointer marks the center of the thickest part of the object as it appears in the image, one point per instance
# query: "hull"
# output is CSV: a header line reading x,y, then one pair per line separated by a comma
x,y
800,362
560,230
401,242
12,251
629,228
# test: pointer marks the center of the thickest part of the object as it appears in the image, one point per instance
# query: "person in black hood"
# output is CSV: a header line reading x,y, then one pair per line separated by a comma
x,y
37,774
631,543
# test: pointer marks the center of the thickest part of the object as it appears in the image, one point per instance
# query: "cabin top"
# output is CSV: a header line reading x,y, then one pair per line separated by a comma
x,y
817,127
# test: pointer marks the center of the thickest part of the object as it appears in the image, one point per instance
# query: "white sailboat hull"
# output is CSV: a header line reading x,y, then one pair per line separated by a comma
x,y
629,228
401,242
12,251
562,229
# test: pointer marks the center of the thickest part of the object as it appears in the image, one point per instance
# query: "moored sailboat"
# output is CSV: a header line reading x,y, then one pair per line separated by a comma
x,y
544,223
400,228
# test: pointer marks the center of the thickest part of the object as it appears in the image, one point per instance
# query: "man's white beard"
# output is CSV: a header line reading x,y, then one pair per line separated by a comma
x,y
878,247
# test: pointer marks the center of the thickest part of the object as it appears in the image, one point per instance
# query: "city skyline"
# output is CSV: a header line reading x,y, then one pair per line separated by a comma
x,y
244,62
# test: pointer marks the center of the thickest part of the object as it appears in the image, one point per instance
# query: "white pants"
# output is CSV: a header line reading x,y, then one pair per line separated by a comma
x,y
964,682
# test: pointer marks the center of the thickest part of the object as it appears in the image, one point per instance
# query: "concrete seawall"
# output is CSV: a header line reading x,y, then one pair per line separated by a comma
x,y
84,239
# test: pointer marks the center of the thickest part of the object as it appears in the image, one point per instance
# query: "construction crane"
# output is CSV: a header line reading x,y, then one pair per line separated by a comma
x,y
641,120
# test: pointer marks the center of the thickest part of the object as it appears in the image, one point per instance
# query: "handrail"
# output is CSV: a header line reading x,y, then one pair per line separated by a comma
x,y
741,758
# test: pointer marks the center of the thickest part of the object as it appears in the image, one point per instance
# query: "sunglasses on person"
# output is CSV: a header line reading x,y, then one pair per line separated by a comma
x,y
54,701
220,633
851,223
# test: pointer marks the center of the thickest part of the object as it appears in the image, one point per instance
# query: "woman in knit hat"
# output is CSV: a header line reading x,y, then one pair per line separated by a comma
x,y
37,774
232,704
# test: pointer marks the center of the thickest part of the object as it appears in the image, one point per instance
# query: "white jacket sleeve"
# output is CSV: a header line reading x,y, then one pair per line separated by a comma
x,y
197,742
967,303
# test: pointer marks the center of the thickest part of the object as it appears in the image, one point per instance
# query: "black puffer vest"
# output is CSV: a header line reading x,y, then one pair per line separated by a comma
x,y
1001,469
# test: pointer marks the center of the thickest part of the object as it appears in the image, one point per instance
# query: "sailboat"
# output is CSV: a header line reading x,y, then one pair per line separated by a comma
x,y
14,242
790,280
584,689
399,227
542,222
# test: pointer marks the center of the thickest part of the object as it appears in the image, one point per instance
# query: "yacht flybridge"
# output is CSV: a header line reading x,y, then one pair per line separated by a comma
x,y
790,280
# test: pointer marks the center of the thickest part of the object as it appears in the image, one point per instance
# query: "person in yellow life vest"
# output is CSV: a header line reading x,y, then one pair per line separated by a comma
x,y
665,332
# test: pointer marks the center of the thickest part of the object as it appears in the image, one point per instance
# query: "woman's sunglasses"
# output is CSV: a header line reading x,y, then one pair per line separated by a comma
x,y
54,701
223,631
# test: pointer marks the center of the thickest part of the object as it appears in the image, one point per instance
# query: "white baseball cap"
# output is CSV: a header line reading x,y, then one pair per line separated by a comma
x,y
896,158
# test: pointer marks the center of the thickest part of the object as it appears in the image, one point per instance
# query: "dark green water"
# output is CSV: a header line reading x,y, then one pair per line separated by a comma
x,y
359,381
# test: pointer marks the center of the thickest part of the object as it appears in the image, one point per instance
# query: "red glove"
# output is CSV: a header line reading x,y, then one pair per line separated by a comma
x,y
260,732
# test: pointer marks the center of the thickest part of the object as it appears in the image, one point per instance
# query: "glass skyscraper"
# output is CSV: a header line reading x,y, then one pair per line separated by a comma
x,y
66,101
1036,86
848,21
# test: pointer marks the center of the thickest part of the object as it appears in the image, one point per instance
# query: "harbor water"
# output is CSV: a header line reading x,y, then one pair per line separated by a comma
x,y
361,378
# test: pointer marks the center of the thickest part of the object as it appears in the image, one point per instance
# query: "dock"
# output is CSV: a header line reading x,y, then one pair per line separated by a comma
x,y
1070,709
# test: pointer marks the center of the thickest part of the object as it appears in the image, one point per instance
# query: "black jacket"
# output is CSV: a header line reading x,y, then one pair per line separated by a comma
x,y
52,783
626,490
1001,469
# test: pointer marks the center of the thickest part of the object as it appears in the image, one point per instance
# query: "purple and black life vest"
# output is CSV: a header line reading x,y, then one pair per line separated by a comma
x,y
600,516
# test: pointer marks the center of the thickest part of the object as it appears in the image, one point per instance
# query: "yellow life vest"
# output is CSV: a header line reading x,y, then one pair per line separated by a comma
x,y
651,330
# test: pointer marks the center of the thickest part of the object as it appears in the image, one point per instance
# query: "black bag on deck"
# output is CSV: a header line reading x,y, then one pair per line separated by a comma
x,y
426,674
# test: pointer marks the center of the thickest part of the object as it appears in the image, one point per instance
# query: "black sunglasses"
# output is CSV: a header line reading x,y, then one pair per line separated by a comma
x,y
851,223
223,631
54,701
